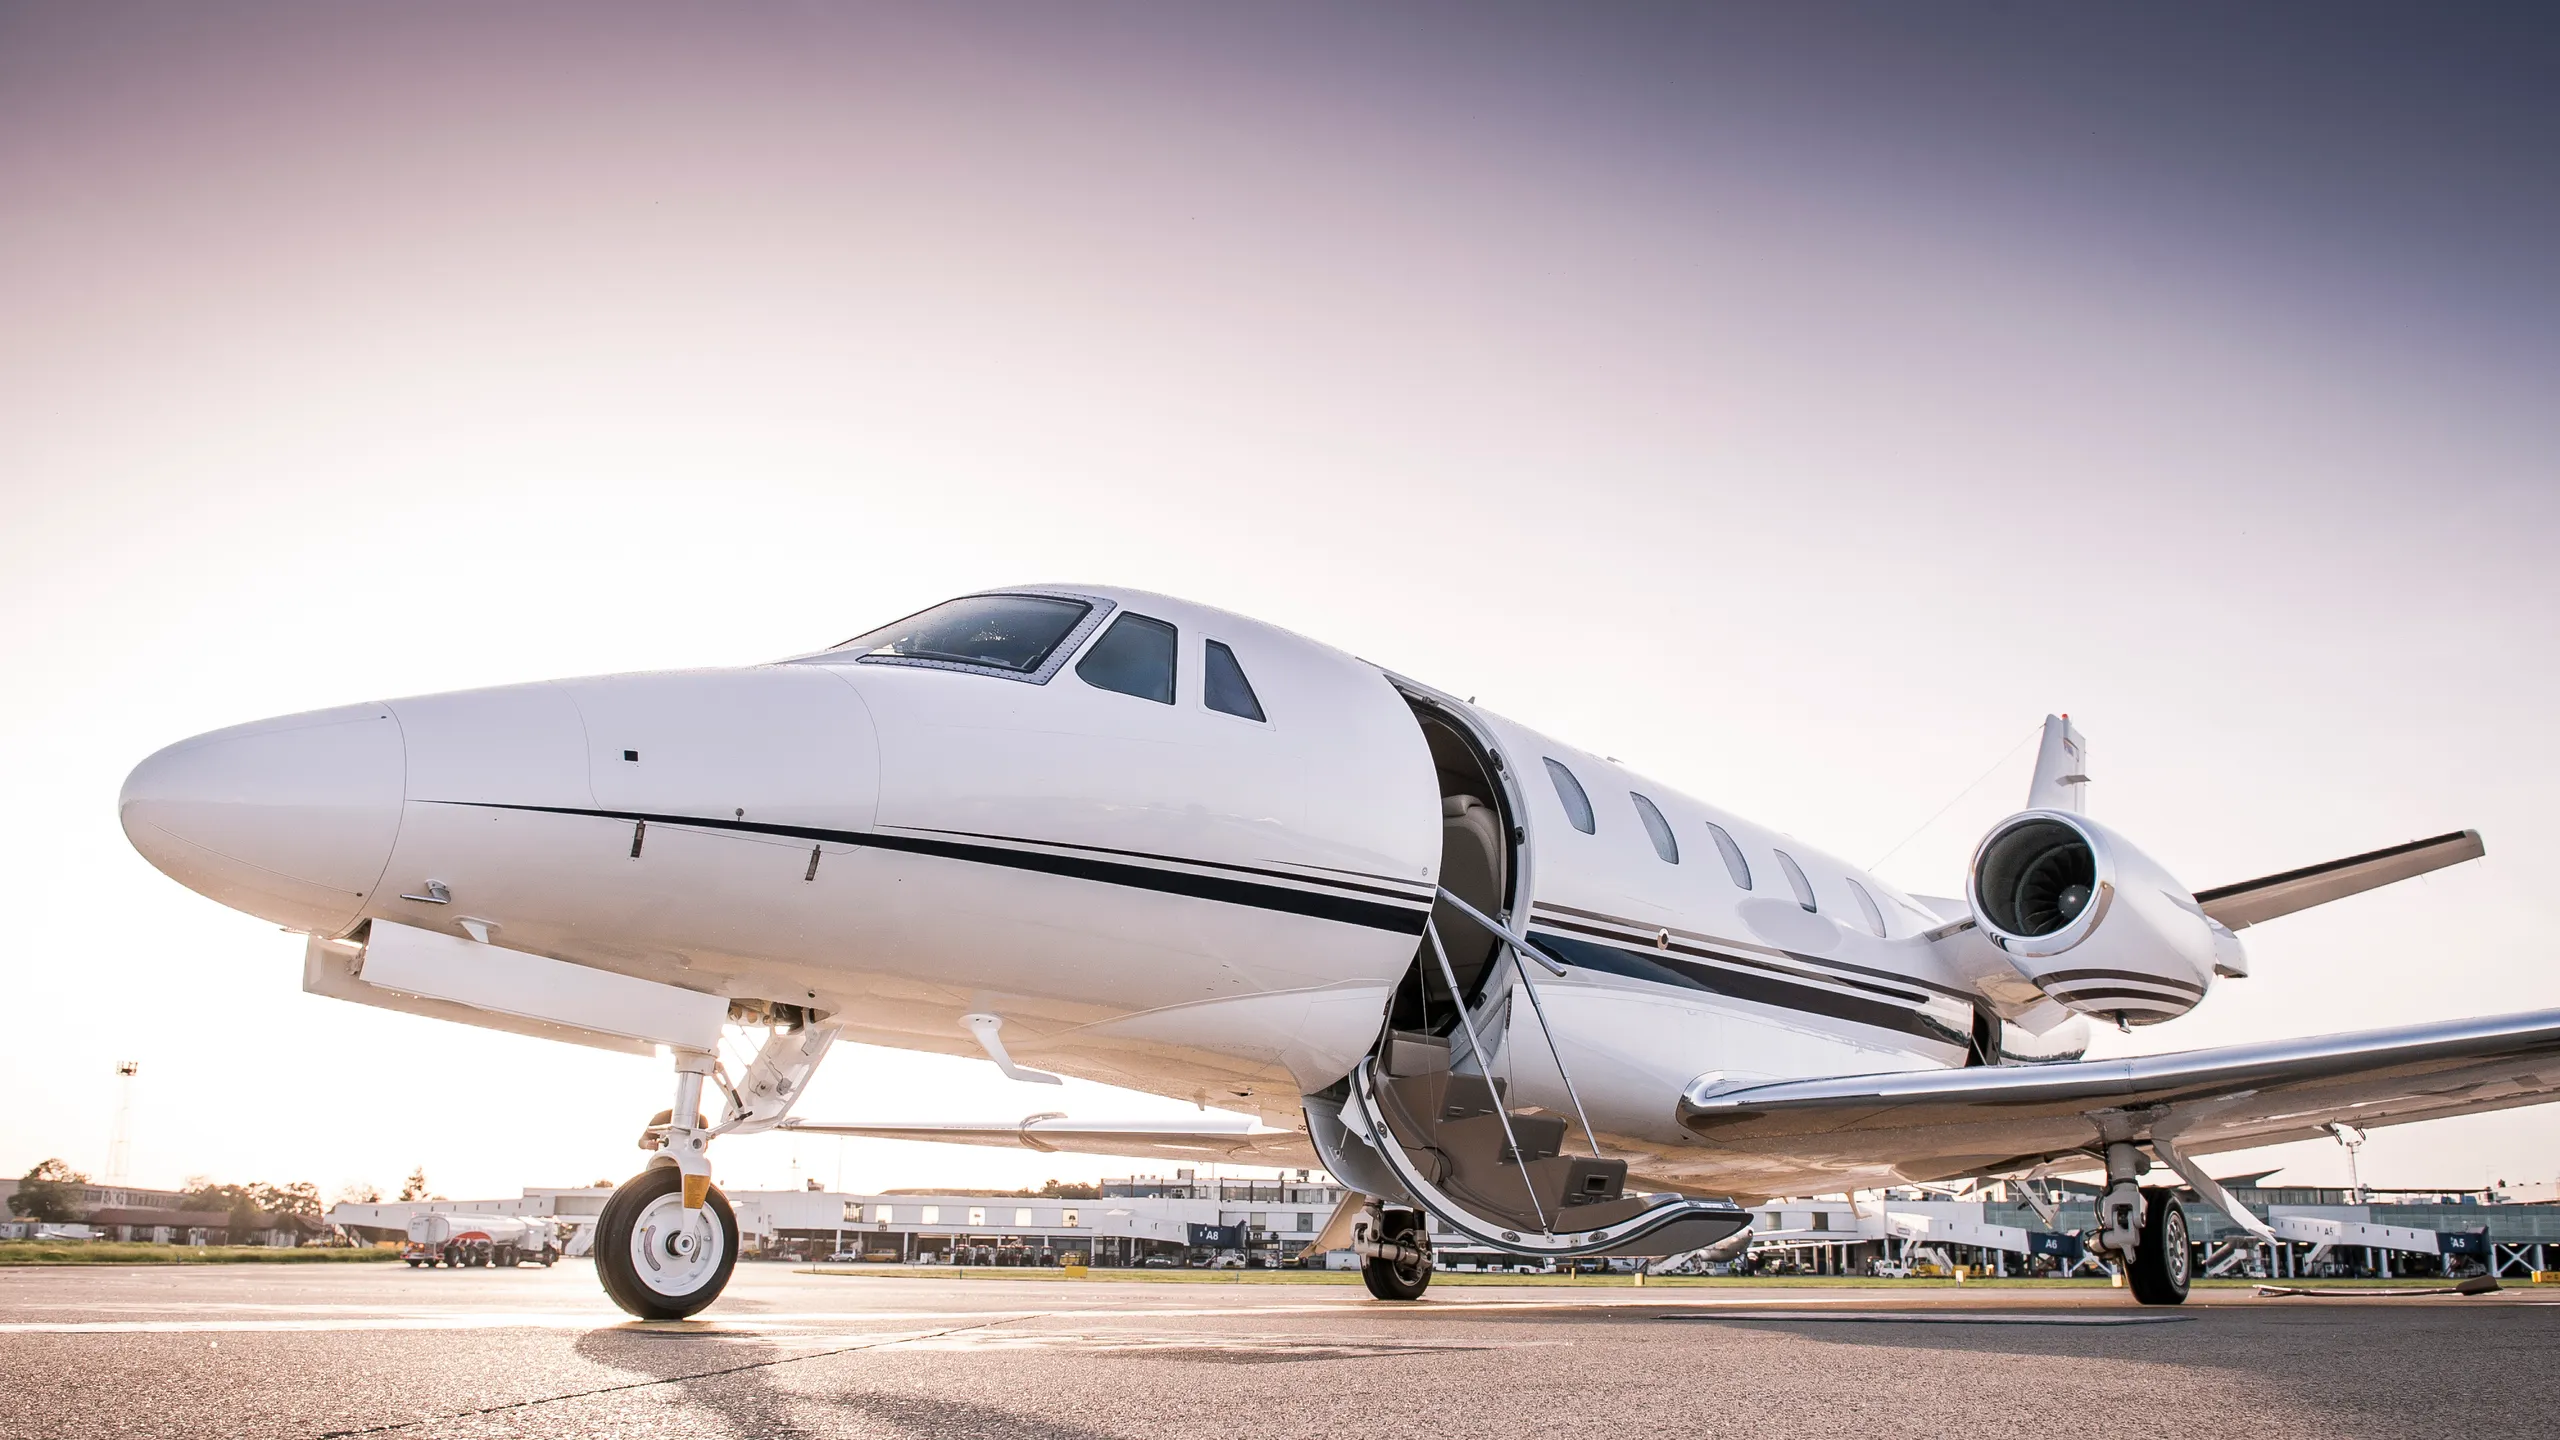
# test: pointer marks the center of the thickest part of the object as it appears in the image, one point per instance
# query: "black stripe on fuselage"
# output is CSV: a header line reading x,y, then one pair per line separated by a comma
x,y
1318,904
1723,949
1753,985
1410,889
1718,957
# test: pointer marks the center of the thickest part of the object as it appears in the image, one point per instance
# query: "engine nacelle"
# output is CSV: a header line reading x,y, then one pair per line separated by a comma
x,y
2093,922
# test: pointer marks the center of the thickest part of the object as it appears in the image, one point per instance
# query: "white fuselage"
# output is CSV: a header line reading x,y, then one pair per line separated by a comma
x,y
1159,896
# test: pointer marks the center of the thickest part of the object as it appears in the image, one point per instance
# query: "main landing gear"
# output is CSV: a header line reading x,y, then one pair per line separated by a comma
x,y
2145,1229
1395,1254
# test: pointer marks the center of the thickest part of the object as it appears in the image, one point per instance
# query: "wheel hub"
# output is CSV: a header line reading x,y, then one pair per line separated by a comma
x,y
675,1251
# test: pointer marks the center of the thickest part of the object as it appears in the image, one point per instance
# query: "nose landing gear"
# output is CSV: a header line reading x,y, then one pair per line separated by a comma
x,y
667,1239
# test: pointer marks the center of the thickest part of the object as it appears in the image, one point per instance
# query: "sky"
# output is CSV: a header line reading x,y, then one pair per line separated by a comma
x,y
1797,402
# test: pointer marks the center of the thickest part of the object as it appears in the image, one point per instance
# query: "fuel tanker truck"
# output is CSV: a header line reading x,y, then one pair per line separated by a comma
x,y
459,1240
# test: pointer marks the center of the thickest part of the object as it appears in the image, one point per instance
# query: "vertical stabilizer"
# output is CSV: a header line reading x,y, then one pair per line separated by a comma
x,y
2062,769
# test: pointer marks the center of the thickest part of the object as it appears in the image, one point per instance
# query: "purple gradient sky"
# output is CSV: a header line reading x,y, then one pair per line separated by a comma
x,y
1798,401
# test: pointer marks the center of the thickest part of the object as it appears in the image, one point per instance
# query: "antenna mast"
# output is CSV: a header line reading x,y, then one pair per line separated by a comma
x,y
120,1139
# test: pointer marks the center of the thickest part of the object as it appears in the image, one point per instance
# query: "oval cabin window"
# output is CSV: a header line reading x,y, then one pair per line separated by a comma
x,y
1665,844
1867,907
1734,864
1577,805
1795,878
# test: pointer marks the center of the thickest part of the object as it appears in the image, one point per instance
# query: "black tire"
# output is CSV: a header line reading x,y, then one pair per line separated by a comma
x,y
550,1256
668,1293
1400,1279
2163,1265
413,1264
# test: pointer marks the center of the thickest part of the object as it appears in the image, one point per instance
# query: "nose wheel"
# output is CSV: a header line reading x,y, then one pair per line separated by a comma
x,y
657,1259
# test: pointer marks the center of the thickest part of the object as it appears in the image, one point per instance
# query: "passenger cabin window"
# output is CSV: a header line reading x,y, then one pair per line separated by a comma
x,y
1734,864
1665,844
1867,906
1577,806
1001,632
1133,657
1223,687
1795,878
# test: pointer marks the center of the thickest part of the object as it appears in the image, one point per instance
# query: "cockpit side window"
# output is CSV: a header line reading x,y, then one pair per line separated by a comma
x,y
1795,878
1577,805
1014,635
1665,844
1734,864
1134,657
1222,684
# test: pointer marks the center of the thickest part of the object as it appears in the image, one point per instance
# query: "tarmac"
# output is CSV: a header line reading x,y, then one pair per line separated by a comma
x,y
344,1350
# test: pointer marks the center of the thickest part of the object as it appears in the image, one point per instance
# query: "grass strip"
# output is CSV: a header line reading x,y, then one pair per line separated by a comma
x,y
130,1252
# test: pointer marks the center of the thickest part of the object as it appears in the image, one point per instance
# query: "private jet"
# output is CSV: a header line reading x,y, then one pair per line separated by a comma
x,y
1482,977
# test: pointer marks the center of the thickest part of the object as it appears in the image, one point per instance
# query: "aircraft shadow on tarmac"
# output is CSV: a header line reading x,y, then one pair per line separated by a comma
x,y
732,1377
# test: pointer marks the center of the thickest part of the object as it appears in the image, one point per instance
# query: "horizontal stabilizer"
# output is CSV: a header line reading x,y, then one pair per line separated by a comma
x,y
1239,1138
2265,898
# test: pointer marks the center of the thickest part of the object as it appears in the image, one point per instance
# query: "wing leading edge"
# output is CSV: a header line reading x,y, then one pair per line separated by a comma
x,y
2251,901
1936,1125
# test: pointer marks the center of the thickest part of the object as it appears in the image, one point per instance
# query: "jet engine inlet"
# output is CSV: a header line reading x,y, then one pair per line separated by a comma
x,y
2036,878
2092,921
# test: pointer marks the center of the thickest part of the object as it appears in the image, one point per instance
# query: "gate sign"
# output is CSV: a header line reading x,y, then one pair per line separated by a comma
x,y
2474,1243
2066,1248
1216,1237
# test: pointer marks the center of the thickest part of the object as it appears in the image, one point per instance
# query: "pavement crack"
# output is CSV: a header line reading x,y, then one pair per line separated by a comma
x,y
653,1382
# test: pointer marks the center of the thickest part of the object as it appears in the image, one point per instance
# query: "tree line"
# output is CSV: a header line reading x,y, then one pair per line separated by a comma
x,y
51,1192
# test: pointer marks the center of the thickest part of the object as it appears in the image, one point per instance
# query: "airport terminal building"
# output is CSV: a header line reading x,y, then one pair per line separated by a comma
x,y
1190,1220
1186,1219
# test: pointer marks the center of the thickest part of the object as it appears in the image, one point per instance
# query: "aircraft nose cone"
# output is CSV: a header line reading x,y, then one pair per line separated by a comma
x,y
289,819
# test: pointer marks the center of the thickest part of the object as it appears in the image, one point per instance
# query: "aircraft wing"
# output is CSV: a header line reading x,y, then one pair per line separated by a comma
x,y
1238,1139
2269,896
1988,1120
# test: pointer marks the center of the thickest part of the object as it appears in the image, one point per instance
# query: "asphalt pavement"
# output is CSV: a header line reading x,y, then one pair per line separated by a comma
x,y
311,1351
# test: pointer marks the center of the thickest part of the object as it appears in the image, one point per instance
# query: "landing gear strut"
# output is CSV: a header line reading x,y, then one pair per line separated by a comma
x,y
1395,1254
667,1240
2145,1229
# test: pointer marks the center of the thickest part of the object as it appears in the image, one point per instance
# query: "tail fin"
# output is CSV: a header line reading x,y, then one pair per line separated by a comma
x,y
2062,769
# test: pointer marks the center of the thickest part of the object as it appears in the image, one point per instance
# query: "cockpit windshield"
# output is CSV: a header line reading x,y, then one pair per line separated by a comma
x,y
1005,632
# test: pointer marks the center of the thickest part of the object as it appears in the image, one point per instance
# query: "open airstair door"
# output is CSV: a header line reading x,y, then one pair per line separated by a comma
x,y
1425,1118
1502,1179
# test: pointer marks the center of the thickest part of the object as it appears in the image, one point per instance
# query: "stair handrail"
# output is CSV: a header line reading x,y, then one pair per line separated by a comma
x,y
1519,1157
1517,944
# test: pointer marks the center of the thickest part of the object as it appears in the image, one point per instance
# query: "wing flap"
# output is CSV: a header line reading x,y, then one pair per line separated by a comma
x,y
1946,1123
1240,1140
2250,901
